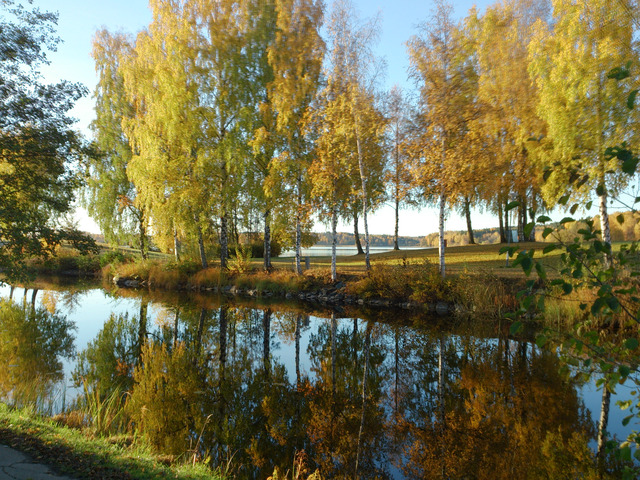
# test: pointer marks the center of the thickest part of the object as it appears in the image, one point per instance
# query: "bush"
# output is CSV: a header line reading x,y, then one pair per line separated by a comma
x,y
114,257
419,282
257,249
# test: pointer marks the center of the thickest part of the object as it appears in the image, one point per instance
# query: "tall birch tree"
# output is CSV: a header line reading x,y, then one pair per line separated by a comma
x,y
585,111
110,196
353,65
399,176
439,65
296,56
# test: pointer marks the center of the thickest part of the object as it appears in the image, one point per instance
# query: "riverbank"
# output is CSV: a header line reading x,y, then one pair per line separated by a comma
x,y
81,454
478,279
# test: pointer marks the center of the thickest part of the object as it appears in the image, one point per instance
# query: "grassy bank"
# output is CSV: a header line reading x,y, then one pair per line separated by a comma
x,y
81,454
478,278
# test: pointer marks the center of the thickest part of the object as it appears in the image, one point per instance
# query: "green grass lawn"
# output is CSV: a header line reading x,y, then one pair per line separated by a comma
x,y
484,259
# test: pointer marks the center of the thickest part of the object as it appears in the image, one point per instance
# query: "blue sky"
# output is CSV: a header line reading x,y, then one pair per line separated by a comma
x,y
79,20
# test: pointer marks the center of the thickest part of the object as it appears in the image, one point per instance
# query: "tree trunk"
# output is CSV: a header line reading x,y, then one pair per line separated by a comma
x,y
441,406
176,245
203,254
34,294
224,242
507,227
604,421
299,226
297,337
223,341
605,227
367,350
142,236
142,328
356,233
176,319
365,198
334,328
441,246
532,219
396,246
334,241
266,347
503,237
236,234
522,218
467,214
198,339
267,240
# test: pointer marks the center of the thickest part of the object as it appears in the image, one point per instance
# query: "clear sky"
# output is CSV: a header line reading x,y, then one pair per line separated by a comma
x,y
79,20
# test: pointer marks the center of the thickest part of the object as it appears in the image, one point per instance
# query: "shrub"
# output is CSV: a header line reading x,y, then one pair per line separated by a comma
x,y
114,257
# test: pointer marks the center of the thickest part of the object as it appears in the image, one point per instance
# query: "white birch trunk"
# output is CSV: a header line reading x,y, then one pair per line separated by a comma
x,y
334,242
365,200
299,227
604,225
367,350
267,240
604,421
203,253
176,245
441,246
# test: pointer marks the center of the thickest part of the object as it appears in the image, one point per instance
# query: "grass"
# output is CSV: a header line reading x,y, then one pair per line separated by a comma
x,y
73,452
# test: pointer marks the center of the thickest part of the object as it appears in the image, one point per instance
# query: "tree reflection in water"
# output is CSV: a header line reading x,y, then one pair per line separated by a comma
x,y
364,400
33,343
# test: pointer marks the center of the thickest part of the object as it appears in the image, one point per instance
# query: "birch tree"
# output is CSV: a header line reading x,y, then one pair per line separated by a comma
x,y
296,56
585,111
440,68
353,65
110,196
166,132
509,99
226,103
399,176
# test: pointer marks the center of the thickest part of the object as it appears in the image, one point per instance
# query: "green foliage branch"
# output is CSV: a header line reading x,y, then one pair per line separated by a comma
x,y
607,283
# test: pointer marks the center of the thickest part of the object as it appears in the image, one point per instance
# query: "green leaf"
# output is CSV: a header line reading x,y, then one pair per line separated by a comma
x,y
567,288
543,219
588,205
619,73
626,420
515,328
527,264
511,205
550,248
541,340
620,219
546,232
563,200
632,99
528,228
567,220
600,190
624,371
631,343
573,209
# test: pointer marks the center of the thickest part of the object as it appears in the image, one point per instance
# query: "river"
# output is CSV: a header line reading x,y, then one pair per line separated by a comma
x,y
251,385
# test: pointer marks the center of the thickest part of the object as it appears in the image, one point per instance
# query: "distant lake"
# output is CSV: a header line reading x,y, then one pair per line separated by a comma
x,y
342,250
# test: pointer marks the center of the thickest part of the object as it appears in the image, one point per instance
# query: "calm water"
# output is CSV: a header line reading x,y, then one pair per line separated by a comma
x,y
259,384
342,250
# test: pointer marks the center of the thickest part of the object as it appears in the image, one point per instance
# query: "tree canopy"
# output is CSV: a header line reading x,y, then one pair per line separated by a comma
x,y
39,150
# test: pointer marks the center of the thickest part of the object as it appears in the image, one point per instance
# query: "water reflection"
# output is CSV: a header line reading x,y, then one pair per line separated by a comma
x,y
362,398
33,343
